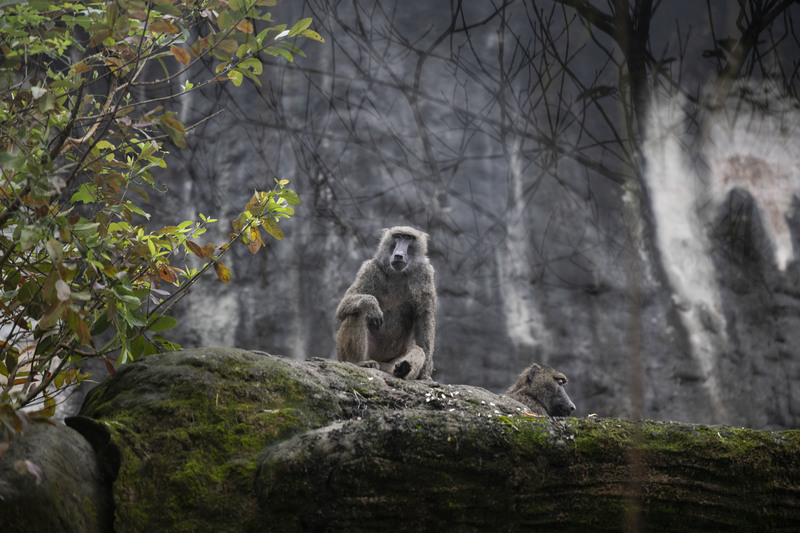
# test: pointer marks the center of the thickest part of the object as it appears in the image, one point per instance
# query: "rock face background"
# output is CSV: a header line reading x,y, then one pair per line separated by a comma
x,y
634,244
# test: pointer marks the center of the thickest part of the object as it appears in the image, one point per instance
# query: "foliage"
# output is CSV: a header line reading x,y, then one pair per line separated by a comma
x,y
82,274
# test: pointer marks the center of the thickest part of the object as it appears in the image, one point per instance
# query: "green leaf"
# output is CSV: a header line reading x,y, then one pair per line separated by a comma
x,y
290,196
292,48
137,347
101,323
85,229
148,149
253,64
236,77
162,323
131,300
245,49
9,161
133,319
277,51
267,36
86,194
271,227
166,343
300,26
137,210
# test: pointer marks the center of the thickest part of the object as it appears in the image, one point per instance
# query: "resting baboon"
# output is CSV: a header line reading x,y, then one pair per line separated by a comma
x,y
388,314
542,389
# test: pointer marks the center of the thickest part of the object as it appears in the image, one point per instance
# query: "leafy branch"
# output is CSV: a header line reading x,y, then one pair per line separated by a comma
x,y
85,89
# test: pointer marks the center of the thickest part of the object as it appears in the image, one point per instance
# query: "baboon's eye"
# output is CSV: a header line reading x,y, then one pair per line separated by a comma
x,y
561,381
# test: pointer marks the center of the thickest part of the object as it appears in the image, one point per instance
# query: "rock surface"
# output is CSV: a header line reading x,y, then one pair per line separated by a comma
x,y
230,440
51,480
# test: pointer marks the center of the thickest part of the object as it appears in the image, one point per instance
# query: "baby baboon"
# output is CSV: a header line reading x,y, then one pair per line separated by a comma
x,y
388,314
542,389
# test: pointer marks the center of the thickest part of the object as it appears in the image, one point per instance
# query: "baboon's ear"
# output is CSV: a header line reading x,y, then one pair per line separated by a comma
x,y
532,372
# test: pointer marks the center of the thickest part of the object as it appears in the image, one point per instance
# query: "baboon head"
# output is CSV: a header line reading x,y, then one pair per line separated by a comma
x,y
400,246
542,388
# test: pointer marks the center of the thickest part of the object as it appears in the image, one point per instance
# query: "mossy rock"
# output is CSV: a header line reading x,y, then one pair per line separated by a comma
x,y
51,480
230,440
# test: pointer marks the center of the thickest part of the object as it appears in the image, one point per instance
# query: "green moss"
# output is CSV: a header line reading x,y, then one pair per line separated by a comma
x,y
190,430
529,434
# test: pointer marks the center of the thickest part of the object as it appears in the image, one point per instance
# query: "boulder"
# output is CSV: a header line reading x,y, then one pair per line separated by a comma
x,y
232,440
51,480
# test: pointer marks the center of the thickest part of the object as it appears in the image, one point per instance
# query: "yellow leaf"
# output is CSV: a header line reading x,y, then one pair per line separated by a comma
x,y
311,34
161,26
222,272
255,235
245,25
181,55
229,45
80,67
49,408
255,240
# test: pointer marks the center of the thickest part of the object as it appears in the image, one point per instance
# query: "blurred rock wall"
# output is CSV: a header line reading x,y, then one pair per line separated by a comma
x,y
560,232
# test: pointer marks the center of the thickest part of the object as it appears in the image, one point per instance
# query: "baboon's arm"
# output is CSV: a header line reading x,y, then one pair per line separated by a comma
x,y
361,296
353,304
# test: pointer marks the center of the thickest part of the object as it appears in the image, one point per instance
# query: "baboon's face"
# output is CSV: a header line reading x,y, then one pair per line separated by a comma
x,y
560,405
402,248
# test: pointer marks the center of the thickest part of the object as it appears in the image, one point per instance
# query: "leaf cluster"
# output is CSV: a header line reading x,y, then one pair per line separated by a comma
x,y
81,274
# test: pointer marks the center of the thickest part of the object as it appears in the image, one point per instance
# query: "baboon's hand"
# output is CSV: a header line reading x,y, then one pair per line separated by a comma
x,y
374,322
369,363
374,317
372,312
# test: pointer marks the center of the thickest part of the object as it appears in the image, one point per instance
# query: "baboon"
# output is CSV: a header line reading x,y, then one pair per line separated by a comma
x,y
542,389
388,314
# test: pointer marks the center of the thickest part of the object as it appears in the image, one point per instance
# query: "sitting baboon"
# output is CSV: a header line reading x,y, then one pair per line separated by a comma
x,y
388,314
542,389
